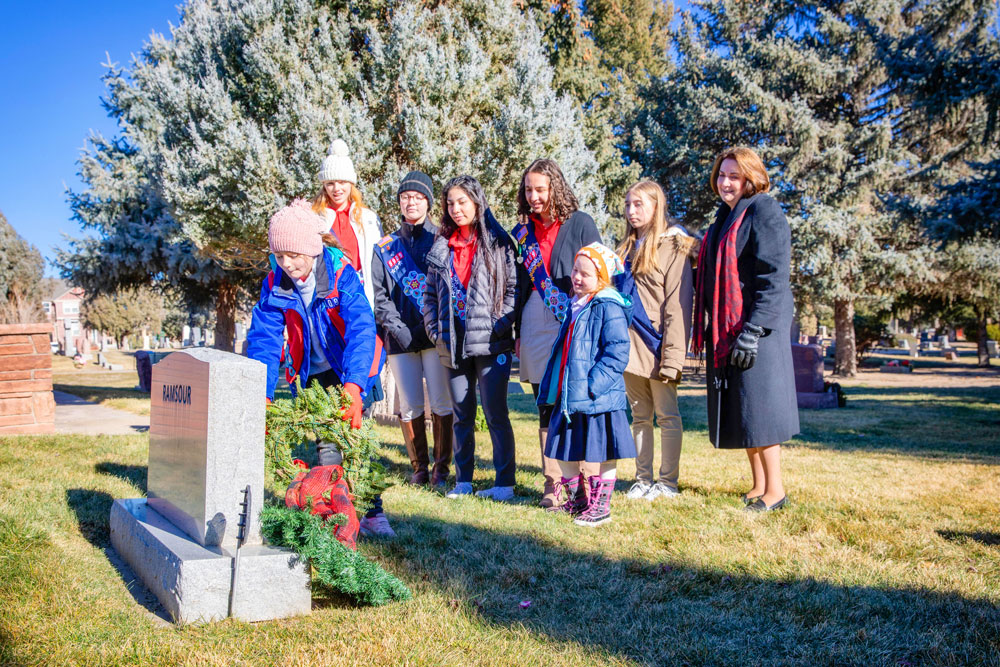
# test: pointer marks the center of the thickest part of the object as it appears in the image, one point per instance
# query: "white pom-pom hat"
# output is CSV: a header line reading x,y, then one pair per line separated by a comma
x,y
337,166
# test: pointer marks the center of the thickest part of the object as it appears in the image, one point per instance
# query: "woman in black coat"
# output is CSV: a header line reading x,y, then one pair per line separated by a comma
x,y
743,319
469,311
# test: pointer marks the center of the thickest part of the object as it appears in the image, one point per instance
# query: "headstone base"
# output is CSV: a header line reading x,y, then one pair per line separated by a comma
x,y
816,400
192,582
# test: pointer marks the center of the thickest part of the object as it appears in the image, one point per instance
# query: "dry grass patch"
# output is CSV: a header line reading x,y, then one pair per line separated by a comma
x,y
888,555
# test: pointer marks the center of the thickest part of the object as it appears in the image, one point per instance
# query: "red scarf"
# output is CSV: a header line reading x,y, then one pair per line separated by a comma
x,y
546,237
463,248
727,316
344,232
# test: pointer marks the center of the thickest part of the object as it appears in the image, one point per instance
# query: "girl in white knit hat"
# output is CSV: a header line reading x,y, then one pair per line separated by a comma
x,y
356,227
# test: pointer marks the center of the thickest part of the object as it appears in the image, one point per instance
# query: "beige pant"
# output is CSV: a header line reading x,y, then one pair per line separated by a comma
x,y
646,397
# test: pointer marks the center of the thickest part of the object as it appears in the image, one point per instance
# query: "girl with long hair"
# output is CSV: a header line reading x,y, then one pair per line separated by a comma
x,y
469,313
657,277
550,232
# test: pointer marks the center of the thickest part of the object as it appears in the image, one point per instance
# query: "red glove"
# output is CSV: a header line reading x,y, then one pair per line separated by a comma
x,y
353,411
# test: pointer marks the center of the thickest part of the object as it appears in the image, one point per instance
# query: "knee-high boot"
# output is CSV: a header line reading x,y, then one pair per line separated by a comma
x,y
444,436
415,437
552,474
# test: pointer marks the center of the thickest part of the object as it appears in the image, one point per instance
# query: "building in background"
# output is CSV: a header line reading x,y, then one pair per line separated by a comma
x,y
62,308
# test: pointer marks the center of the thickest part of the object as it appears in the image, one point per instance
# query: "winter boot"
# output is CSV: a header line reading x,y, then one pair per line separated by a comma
x,y
599,510
415,437
552,473
574,490
443,438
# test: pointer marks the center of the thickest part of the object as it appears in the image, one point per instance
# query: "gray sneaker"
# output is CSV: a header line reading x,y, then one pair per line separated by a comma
x,y
638,490
661,490
376,526
461,489
501,494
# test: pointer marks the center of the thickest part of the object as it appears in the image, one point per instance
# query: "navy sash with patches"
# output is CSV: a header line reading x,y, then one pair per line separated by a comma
x,y
641,324
531,256
459,297
403,269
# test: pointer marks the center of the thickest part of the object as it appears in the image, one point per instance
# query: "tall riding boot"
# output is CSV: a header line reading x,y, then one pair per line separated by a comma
x,y
552,473
415,437
444,436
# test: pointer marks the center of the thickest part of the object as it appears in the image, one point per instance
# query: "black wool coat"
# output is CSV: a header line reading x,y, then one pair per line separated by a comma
x,y
485,333
755,407
400,323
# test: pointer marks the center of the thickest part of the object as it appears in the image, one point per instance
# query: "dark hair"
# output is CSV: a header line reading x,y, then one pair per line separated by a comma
x,y
486,240
562,201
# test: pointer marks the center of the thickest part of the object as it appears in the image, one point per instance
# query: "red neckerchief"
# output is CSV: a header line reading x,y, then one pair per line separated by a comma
x,y
463,248
546,237
344,232
727,324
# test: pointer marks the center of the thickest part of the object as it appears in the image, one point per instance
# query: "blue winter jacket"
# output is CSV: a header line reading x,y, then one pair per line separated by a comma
x,y
593,380
339,311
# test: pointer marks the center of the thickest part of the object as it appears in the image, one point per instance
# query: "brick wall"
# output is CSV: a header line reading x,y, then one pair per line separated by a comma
x,y
26,403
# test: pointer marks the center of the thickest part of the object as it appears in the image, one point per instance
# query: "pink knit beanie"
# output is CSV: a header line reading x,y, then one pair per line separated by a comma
x,y
297,228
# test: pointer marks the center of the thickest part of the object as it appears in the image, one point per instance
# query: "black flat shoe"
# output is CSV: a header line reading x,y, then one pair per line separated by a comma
x,y
748,500
759,506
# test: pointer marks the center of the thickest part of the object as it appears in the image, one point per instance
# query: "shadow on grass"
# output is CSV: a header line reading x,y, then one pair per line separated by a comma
x,y
93,510
952,423
134,475
668,612
989,539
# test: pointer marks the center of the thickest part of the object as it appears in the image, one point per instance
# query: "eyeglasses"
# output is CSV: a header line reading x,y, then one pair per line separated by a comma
x,y
415,197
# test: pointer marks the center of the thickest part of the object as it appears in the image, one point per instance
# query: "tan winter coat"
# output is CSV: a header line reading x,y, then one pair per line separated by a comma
x,y
667,294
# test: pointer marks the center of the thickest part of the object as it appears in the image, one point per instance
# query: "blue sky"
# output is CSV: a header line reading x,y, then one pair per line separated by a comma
x,y
50,77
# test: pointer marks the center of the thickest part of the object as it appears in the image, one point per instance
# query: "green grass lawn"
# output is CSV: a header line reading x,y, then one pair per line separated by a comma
x,y
888,555
114,389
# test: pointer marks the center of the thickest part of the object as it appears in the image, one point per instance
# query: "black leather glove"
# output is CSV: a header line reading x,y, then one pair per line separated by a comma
x,y
745,348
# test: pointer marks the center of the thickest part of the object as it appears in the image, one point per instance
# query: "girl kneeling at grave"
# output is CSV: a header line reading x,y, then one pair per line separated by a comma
x,y
583,380
314,298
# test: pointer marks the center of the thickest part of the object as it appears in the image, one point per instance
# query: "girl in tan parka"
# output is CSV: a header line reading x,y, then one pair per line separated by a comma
x,y
658,258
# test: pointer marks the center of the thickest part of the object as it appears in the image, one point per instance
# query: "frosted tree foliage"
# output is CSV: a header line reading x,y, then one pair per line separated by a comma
x,y
229,118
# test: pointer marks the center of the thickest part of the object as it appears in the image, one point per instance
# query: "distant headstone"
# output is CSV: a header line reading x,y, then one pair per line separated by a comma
x,y
144,369
807,361
206,445
186,336
945,342
904,343
992,349
823,333
951,354
196,336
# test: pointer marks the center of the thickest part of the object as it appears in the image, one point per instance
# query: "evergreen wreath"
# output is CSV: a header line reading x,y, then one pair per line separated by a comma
x,y
317,414
333,564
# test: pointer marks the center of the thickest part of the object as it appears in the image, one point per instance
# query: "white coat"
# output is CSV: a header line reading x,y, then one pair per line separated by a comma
x,y
368,233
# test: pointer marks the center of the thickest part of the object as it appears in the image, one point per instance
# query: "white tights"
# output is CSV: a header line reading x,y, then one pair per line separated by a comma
x,y
570,469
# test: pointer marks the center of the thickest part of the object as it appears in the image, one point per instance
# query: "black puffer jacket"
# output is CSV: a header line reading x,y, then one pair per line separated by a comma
x,y
486,333
399,321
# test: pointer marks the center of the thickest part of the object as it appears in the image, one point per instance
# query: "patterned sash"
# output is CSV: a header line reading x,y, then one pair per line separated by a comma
x,y
458,294
531,255
641,324
403,269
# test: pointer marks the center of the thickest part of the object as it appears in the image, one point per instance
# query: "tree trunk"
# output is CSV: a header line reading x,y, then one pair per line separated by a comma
x,y
846,362
225,316
981,349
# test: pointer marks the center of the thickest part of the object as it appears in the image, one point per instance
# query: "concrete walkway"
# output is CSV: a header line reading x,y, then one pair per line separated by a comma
x,y
75,415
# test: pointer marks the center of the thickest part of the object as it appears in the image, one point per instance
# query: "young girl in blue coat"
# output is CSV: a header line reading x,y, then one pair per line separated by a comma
x,y
584,381
313,315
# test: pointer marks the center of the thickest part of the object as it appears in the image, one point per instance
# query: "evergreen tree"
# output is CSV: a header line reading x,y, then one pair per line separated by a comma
x,y
230,117
802,83
604,52
21,270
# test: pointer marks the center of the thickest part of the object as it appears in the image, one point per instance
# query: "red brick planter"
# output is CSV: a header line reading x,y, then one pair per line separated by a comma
x,y
26,403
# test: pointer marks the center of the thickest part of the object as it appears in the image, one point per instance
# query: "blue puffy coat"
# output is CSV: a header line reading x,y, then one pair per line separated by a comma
x,y
593,380
339,311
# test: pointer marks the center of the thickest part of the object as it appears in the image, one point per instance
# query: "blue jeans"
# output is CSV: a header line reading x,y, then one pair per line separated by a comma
x,y
492,374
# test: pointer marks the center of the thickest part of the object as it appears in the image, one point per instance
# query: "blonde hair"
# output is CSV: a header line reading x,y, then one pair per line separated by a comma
x,y
644,261
751,167
321,201
601,282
